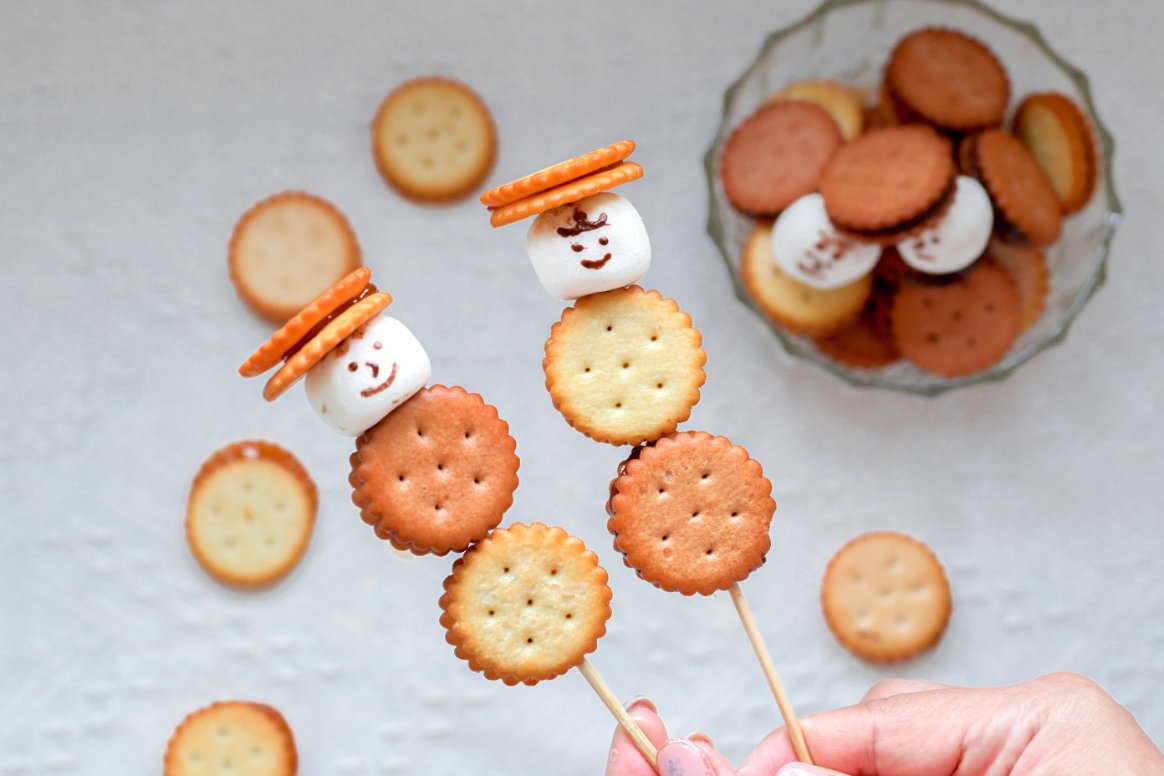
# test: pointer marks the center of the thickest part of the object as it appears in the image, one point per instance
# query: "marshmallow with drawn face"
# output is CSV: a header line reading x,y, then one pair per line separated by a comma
x,y
809,248
958,238
596,244
367,376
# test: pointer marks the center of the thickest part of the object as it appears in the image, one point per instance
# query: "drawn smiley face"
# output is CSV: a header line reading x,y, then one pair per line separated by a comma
x,y
596,244
367,376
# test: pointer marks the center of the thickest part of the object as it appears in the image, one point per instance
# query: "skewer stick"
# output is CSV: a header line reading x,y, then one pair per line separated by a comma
x,y
795,734
620,713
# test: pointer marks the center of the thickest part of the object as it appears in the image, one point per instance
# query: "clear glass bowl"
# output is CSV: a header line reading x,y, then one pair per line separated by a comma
x,y
849,41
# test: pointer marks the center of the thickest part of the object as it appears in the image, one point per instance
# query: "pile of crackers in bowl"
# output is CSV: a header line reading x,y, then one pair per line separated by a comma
x,y
930,215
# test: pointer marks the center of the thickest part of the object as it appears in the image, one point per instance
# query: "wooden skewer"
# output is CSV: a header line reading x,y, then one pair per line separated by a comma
x,y
795,733
619,711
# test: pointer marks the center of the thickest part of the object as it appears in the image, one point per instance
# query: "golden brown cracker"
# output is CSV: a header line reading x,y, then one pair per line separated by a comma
x,y
288,249
690,513
841,102
271,352
321,344
434,140
1059,136
1019,188
251,513
437,474
525,604
557,174
791,304
232,737
624,366
885,596
570,191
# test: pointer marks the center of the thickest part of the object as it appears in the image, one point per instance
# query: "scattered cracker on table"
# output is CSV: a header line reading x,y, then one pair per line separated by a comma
x,y
239,738
796,306
526,604
624,366
251,513
885,596
437,474
691,512
434,140
288,249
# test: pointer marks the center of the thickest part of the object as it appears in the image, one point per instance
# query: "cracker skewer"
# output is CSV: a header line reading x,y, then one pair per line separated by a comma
x,y
795,733
619,711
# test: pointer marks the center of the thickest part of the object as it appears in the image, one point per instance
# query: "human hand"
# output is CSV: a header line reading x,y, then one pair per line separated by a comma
x,y
691,756
1062,723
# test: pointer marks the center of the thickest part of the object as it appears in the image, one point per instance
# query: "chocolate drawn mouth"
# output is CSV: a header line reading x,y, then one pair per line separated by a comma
x,y
376,389
595,263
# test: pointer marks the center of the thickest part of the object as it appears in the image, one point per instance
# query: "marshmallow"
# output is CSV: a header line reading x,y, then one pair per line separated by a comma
x,y
592,245
958,238
368,375
810,249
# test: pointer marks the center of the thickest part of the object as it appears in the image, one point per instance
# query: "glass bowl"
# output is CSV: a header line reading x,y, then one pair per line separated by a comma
x,y
849,41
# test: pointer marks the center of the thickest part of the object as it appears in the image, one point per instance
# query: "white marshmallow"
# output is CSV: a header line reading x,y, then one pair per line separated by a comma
x,y
958,238
592,245
367,376
810,249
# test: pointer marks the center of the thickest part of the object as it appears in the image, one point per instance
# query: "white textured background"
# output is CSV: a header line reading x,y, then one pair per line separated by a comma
x,y
132,135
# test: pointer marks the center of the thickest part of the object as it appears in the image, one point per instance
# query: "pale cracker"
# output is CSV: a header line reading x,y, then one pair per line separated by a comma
x,y
232,737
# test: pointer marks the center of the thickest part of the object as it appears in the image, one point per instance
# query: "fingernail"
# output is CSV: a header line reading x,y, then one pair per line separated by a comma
x,y
801,769
704,737
680,757
642,703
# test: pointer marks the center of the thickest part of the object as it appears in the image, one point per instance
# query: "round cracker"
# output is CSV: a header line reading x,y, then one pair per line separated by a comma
x,y
885,596
434,140
437,474
557,174
691,512
1027,266
526,604
236,737
321,344
796,306
1018,186
288,249
271,352
1058,135
251,513
624,366
570,191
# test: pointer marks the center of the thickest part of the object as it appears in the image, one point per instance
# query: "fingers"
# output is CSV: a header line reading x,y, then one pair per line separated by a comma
x,y
625,758
719,764
887,688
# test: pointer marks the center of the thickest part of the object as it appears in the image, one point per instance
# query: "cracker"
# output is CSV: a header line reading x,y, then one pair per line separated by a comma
x,y
1022,195
437,474
948,79
526,604
232,737
796,306
288,249
1027,266
250,513
959,327
557,174
885,596
841,102
624,366
322,343
889,181
1058,135
691,512
777,155
333,300
570,191
433,140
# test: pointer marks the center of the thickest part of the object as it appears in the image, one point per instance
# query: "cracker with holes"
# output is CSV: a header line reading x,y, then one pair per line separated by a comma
x,y
437,474
286,250
526,604
251,513
885,596
433,140
624,366
236,737
690,513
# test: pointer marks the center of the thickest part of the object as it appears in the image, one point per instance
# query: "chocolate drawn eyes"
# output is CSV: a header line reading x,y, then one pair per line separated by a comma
x,y
353,366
